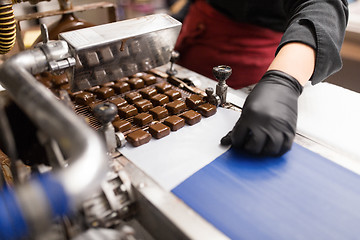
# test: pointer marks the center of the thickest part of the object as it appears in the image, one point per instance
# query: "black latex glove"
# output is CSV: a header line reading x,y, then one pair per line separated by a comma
x,y
267,124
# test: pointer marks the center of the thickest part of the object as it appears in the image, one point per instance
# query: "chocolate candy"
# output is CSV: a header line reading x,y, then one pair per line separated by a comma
x,y
173,94
174,122
104,92
159,130
142,119
139,137
121,87
92,59
119,102
100,75
138,75
83,83
191,117
206,109
73,94
93,105
92,89
159,99
143,105
148,92
123,79
163,87
149,79
159,112
121,125
60,80
106,55
84,98
194,101
108,84
176,107
127,111
133,97
136,83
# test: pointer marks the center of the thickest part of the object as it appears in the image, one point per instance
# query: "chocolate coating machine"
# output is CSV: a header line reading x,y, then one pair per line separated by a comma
x,y
88,186
85,188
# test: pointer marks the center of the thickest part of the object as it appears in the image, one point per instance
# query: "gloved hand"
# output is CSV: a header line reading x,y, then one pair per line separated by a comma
x,y
267,124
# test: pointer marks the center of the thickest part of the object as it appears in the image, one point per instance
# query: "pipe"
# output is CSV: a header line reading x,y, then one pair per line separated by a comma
x,y
68,188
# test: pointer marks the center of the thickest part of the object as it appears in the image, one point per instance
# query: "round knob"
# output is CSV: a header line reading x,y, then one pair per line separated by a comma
x,y
209,91
174,56
222,72
105,112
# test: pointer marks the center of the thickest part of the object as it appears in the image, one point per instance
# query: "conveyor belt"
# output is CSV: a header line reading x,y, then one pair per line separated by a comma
x,y
298,196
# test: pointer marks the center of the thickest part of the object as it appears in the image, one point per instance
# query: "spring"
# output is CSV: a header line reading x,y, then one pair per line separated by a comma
x,y
7,28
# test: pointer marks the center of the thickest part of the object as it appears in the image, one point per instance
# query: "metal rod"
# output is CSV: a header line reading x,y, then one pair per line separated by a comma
x,y
87,153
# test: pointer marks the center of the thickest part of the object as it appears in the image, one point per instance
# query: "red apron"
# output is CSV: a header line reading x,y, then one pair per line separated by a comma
x,y
208,38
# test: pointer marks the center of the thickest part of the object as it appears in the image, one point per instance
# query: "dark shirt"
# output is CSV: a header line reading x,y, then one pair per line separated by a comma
x,y
318,23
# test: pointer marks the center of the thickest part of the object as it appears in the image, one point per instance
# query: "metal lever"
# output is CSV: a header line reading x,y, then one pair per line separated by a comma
x,y
222,73
174,57
44,33
56,58
105,113
211,97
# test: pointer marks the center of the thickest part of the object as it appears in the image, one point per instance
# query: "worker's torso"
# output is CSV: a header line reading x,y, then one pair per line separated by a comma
x,y
266,13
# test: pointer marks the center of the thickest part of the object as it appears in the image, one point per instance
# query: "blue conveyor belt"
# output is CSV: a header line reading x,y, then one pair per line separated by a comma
x,y
300,195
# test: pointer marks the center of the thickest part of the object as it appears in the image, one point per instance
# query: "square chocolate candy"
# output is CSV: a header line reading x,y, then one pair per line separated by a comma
x,y
174,122
191,117
149,79
138,75
84,98
127,111
206,109
138,137
108,84
106,55
133,97
123,79
121,87
163,87
148,92
173,94
194,101
73,94
121,125
159,112
143,105
104,92
176,107
159,99
92,89
159,130
93,105
142,119
59,80
119,101
136,83
92,59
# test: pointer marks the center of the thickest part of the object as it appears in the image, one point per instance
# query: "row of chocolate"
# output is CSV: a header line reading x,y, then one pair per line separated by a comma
x,y
108,63
148,106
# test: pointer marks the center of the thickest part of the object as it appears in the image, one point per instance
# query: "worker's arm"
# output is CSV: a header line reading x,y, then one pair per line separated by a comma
x,y
313,37
297,60
267,124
